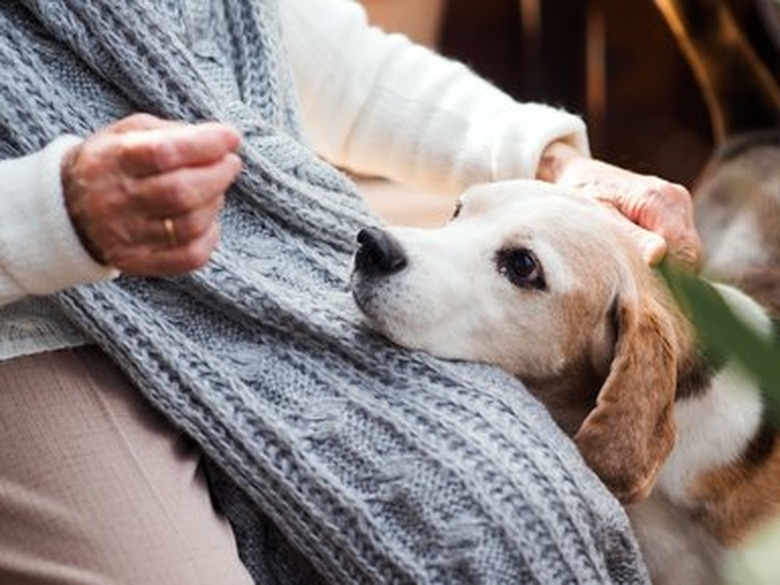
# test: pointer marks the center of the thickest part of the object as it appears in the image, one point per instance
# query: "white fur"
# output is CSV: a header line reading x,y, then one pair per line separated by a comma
x,y
715,428
437,303
452,301
742,244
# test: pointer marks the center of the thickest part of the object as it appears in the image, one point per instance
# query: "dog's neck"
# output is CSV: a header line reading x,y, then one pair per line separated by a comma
x,y
569,394
723,437
697,368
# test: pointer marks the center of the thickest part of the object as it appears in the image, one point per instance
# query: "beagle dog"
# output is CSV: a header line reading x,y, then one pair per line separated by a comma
x,y
549,286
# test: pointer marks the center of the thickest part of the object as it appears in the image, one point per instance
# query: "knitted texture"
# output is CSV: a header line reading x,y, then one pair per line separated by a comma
x,y
336,456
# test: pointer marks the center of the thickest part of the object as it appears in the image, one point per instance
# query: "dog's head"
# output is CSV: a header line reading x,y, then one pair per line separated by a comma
x,y
550,287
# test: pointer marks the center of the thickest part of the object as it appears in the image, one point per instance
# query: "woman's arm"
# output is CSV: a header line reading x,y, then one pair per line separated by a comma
x,y
141,196
378,104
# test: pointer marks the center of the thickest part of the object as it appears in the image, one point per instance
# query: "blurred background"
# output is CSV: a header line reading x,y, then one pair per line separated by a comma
x,y
613,62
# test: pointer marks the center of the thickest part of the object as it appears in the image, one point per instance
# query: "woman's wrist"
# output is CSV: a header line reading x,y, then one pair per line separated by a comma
x,y
69,186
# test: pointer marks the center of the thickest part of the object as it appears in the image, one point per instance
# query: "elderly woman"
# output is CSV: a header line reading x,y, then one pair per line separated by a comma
x,y
186,395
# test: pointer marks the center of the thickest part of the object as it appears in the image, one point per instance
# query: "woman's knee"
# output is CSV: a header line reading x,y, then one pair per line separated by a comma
x,y
98,487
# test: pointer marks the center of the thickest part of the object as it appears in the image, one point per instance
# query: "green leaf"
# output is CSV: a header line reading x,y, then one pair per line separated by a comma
x,y
725,334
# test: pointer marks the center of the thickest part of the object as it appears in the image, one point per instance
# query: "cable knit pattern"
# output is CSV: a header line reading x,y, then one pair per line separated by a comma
x,y
337,457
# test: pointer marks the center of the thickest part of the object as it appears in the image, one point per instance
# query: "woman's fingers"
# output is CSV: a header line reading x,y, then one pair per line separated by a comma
x,y
663,208
684,242
185,189
166,149
135,122
144,195
652,245
168,231
657,206
164,260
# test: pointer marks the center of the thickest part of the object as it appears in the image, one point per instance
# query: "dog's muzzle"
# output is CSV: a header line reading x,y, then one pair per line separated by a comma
x,y
378,253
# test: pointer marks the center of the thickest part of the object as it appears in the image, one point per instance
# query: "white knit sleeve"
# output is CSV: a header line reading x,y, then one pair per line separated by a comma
x,y
40,252
376,103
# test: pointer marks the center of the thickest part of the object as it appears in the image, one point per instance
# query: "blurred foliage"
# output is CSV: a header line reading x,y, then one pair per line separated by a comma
x,y
725,335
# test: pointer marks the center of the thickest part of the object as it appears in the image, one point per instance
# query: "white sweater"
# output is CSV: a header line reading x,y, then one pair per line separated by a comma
x,y
371,102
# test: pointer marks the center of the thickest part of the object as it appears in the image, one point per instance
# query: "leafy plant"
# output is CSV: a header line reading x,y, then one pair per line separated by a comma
x,y
725,334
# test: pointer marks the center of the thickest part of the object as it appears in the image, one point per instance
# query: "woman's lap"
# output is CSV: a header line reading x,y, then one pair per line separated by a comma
x,y
97,487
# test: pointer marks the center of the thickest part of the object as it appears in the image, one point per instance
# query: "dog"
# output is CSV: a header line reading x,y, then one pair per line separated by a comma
x,y
549,286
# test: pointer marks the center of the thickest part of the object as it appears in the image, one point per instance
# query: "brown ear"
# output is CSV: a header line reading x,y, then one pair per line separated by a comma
x,y
626,438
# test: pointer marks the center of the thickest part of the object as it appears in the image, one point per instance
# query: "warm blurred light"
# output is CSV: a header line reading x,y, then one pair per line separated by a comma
x,y
531,18
533,59
596,69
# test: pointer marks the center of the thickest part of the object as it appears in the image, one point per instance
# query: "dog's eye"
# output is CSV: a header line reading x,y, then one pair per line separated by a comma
x,y
456,211
521,268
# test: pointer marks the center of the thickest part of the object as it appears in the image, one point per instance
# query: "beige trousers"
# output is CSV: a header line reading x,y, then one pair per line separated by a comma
x,y
96,487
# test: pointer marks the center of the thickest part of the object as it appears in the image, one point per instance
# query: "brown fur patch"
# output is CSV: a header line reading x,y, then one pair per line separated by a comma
x,y
633,414
736,498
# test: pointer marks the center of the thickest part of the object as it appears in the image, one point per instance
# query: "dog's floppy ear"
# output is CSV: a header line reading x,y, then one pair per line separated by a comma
x,y
626,438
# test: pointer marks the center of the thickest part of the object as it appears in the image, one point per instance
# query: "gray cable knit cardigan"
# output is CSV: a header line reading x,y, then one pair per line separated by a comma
x,y
337,457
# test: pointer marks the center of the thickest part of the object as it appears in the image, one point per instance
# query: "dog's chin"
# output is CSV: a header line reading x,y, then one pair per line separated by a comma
x,y
409,318
367,300
368,303
377,319
387,321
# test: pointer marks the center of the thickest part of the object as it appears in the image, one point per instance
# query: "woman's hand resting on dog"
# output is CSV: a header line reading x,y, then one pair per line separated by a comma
x,y
661,211
144,194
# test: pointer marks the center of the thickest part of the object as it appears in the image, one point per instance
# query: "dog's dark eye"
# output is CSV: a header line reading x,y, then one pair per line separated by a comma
x,y
521,268
456,211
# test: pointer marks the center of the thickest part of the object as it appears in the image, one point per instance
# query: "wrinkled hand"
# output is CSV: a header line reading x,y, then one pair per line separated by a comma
x,y
662,212
144,194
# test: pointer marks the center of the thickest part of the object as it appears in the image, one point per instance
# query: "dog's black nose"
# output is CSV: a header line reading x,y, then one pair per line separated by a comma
x,y
378,252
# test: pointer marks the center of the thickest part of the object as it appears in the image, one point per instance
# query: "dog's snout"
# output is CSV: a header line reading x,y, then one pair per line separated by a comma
x,y
378,252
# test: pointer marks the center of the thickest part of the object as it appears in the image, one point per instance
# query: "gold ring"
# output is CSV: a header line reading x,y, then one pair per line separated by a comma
x,y
170,232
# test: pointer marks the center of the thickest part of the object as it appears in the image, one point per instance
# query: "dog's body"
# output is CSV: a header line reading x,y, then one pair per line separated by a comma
x,y
549,286
737,205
